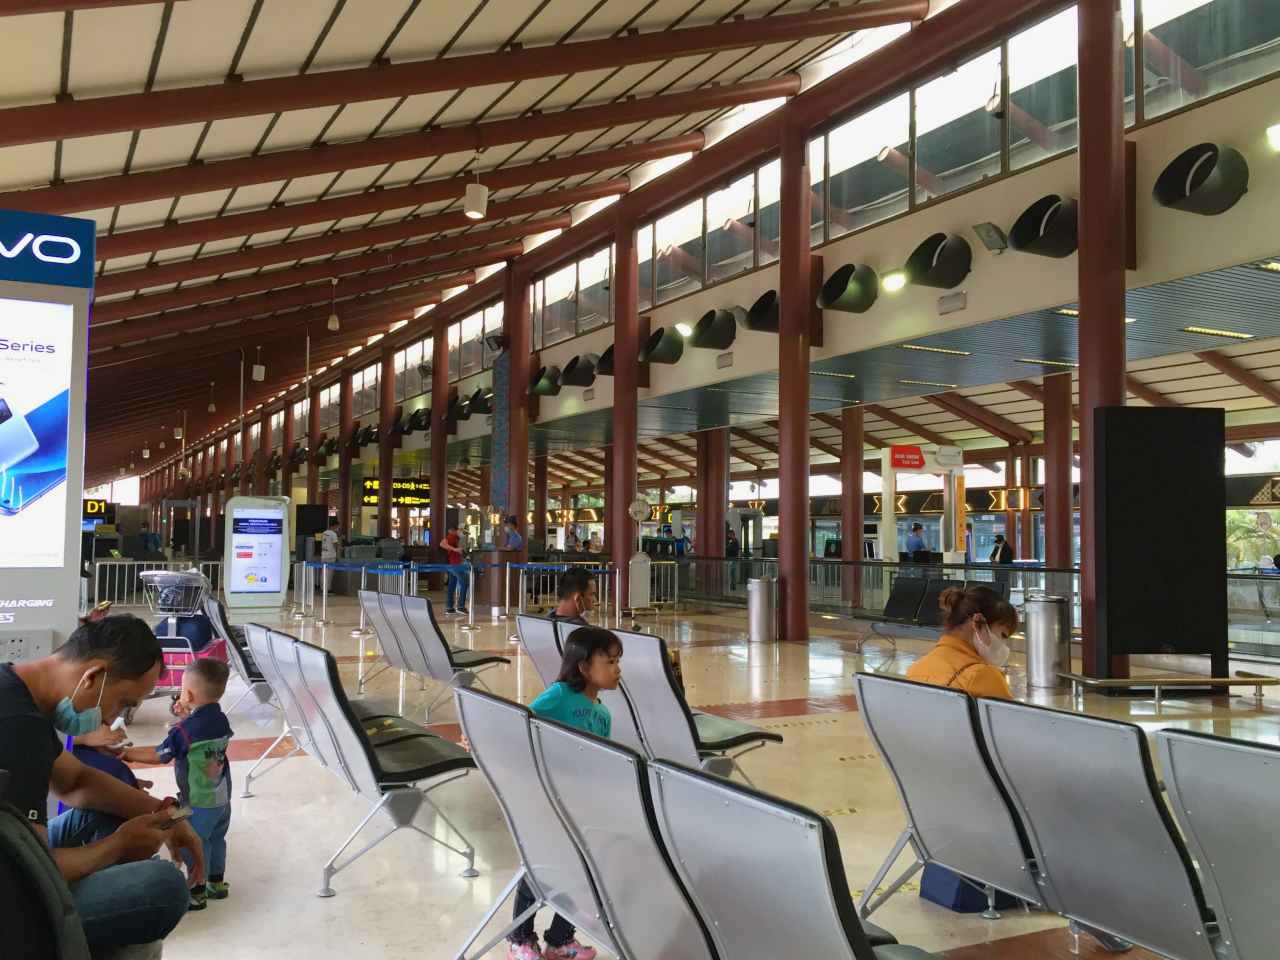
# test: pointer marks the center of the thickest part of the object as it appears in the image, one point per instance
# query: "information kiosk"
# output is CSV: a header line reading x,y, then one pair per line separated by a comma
x,y
46,285
255,560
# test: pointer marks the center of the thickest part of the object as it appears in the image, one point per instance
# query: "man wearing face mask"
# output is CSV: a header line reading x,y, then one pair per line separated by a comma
x,y
104,844
577,595
974,647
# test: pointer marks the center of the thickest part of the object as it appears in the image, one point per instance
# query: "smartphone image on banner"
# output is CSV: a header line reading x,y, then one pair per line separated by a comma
x,y
17,442
24,482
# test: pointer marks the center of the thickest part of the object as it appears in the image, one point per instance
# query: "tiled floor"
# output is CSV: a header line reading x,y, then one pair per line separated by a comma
x,y
405,899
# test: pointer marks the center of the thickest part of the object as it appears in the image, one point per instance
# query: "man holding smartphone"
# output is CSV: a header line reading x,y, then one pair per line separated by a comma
x,y
104,846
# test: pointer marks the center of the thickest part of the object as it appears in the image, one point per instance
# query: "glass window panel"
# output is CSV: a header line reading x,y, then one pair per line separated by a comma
x,y
535,298
731,224
455,353
770,180
594,303
1042,90
817,184
644,275
679,264
1130,63
957,139
1193,49
866,185
472,344
560,290
492,324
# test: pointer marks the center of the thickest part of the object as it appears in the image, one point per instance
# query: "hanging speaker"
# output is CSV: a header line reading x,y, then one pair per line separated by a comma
x,y
459,409
1047,228
605,367
941,261
580,371
482,401
546,382
420,419
664,345
853,288
763,315
1207,179
716,329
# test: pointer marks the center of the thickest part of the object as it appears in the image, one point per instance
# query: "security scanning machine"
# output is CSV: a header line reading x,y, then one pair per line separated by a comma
x,y
255,560
946,461
46,287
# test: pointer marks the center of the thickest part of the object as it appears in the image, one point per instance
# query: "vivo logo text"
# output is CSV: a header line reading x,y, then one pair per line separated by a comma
x,y
44,247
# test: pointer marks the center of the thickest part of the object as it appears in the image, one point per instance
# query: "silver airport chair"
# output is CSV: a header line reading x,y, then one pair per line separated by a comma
x,y
396,649
385,765
538,637
1223,793
1108,851
258,639
669,729
958,815
601,792
238,656
765,875
550,864
446,664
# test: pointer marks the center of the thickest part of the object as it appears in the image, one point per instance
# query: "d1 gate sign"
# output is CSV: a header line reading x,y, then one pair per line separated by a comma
x,y
906,458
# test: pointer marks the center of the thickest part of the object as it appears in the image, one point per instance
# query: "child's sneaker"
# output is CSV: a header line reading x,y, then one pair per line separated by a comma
x,y
199,900
217,889
572,950
523,951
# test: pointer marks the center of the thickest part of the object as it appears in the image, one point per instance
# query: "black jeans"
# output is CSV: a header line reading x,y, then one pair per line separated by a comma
x,y
558,934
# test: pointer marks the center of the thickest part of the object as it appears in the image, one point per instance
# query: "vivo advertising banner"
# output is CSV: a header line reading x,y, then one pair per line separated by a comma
x,y
46,283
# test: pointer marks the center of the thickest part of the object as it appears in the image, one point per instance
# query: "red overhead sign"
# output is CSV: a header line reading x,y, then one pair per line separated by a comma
x,y
906,458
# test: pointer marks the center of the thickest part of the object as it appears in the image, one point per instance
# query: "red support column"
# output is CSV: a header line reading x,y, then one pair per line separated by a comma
x,y
626,358
1102,278
518,327
540,499
1057,470
215,497
386,442
439,435
287,441
261,482
852,440
346,427
715,467
1010,483
794,290
246,459
313,445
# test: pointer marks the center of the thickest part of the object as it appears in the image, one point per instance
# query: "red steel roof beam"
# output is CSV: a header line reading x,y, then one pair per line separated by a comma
x,y
980,417
202,177
159,108
904,423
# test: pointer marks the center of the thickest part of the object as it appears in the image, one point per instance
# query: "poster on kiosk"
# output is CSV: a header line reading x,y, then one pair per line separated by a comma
x,y
256,553
46,287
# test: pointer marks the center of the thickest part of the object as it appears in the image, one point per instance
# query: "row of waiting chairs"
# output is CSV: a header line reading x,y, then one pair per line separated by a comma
x,y
1064,811
391,762
658,861
914,603
650,714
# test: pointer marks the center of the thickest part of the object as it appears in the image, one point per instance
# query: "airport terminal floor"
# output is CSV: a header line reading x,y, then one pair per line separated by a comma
x,y
406,899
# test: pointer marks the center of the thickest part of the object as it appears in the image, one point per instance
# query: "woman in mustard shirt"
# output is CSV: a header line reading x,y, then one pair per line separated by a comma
x,y
975,645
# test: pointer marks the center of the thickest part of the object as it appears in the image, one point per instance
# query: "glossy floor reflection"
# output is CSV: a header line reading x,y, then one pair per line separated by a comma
x,y
405,899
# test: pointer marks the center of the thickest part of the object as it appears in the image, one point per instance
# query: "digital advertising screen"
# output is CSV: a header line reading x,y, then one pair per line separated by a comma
x,y
35,380
257,550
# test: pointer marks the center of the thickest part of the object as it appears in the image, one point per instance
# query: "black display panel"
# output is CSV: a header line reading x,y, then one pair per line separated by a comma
x,y
310,519
1159,484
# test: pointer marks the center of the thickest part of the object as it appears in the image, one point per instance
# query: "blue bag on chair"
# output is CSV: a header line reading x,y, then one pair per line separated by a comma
x,y
948,889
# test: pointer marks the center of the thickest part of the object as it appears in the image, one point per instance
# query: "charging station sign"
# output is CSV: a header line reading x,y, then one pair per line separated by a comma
x,y
906,457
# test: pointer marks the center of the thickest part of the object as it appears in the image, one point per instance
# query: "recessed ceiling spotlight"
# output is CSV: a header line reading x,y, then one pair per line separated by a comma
x,y
836,376
1214,332
923,349
1273,136
684,329
928,383
893,281
1068,311
1049,363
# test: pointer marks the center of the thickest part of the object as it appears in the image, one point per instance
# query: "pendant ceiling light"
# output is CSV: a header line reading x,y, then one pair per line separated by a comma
x,y
334,324
475,202
258,372
213,407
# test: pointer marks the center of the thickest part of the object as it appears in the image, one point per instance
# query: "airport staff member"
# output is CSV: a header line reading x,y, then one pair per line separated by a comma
x,y
1002,553
103,848
329,542
513,541
915,540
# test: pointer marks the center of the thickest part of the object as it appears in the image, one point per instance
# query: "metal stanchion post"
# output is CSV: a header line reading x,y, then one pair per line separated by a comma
x,y
523,588
364,585
506,572
324,595
617,588
470,625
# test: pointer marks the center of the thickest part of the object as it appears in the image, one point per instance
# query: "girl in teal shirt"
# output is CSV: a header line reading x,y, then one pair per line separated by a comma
x,y
592,662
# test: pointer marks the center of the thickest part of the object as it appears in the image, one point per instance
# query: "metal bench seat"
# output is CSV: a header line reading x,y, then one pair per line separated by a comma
x,y
239,656
717,734
465,659
395,773
799,907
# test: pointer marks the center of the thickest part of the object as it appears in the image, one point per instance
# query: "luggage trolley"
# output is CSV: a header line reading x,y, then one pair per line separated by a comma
x,y
185,634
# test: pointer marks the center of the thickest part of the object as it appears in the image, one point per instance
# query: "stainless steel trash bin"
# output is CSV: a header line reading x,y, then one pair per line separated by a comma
x,y
762,612
1048,640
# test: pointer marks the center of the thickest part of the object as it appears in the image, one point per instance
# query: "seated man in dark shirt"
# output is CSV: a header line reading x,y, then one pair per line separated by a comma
x,y
122,896
577,596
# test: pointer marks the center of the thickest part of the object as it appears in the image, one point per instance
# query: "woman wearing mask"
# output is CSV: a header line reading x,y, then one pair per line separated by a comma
x,y
975,645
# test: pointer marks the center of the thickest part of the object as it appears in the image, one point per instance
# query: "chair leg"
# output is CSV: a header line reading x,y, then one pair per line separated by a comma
x,y
507,891
866,907
239,700
331,868
470,853
1108,942
248,779
446,692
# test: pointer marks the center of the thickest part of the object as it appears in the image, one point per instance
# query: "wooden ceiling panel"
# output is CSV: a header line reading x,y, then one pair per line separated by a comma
x,y
30,165
494,25
176,254
165,146
283,35
111,49
306,188
431,26
357,181
357,120
94,156
295,129
358,34
201,42
194,205
149,214
256,197
577,89
30,68
235,137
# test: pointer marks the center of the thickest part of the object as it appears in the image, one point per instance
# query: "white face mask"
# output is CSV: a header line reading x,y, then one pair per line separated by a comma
x,y
990,646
